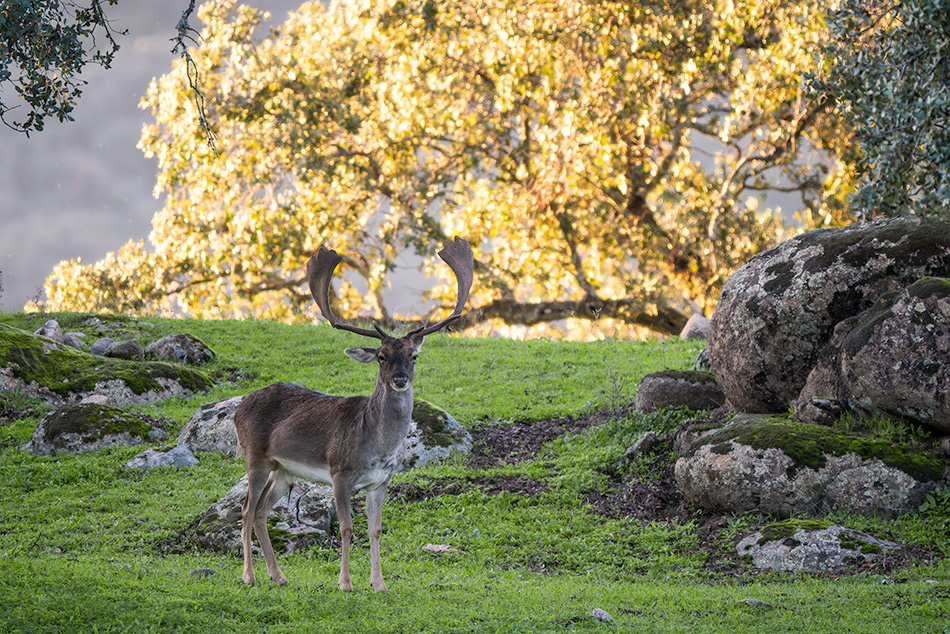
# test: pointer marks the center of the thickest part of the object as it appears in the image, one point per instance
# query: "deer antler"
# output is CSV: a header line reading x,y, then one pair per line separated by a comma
x,y
458,255
320,269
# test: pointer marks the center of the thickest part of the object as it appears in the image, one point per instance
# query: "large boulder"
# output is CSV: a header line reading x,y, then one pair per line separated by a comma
x,y
785,468
778,311
89,427
891,360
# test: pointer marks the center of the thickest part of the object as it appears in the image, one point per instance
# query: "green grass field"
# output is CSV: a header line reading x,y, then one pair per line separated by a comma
x,y
88,545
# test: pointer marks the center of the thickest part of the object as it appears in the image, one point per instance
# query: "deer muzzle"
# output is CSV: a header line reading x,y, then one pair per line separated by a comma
x,y
400,382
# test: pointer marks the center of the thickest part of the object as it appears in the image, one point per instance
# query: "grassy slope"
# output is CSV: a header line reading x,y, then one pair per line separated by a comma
x,y
86,544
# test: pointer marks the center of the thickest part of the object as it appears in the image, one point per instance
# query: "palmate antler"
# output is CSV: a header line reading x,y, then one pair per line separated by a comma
x,y
457,254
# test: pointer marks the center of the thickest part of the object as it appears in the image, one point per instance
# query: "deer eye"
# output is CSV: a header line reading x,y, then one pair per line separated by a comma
x,y
381,357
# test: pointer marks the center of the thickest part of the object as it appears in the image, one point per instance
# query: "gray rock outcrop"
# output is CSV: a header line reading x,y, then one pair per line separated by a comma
x,y
177,457
211,428
778,310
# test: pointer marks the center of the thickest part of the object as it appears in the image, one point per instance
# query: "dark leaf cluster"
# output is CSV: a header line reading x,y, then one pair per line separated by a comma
x,y
44,46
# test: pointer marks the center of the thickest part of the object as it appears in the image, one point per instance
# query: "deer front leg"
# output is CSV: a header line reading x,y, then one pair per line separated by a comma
x,y
374,516
341,496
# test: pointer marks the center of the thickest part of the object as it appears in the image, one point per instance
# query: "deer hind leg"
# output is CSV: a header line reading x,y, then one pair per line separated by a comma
x,y
341,496
256,481
374,516
278,485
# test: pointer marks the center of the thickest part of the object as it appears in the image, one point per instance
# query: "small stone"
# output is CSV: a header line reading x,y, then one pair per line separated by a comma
x,y
204,572
601,615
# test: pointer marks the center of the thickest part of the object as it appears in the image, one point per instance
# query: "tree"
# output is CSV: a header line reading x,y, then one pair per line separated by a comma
x,y
44,45
889,76
606,160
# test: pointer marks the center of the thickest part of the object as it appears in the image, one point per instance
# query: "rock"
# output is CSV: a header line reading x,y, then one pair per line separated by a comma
x,y
50,330
785,468
671,388
778,310
58,374
211,428
178,457
806,545
697,327
647,443
204,572
890,360
298,521
702,363
84,428
100,346
601,615
183,348
434,435
95,399
128,349
74,340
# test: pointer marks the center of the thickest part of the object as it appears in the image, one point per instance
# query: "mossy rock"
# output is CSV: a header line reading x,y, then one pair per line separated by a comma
x,y
434,435
89,427
59,373
775,465
809,545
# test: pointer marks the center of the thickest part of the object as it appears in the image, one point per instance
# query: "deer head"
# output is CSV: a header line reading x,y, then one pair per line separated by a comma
x,y
396,356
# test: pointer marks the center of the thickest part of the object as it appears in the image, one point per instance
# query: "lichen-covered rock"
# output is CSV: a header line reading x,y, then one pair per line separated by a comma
x,y
211,428
181,348
778,310
50,330
785,468
697,391
297,521
128,349
58,373
91,427
177,457
807,545
891,360
434,435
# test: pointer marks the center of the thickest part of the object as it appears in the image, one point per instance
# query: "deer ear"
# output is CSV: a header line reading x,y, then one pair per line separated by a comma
x,y
363,355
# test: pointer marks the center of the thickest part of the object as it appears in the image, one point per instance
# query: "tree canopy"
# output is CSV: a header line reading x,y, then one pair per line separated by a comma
x,y
44,45
608,161
889,75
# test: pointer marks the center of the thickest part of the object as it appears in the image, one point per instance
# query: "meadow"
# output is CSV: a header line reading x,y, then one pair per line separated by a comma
x,y
526,541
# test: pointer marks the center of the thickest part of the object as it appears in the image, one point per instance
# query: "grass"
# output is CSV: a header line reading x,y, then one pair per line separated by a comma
x,y
88,545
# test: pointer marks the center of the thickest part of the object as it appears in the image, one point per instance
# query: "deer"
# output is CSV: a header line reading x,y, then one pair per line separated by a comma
x,y
349,442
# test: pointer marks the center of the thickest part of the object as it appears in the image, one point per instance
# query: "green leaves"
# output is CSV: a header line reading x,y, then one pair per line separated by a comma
x,y
887,73
44,45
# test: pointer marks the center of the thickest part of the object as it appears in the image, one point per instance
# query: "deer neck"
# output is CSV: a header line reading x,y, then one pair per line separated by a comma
x,y
393,410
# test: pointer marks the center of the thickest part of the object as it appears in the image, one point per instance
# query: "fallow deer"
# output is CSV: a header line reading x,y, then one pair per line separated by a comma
x,y
353,443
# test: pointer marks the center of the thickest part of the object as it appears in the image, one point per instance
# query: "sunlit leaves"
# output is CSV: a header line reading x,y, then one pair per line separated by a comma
x,y
613,154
